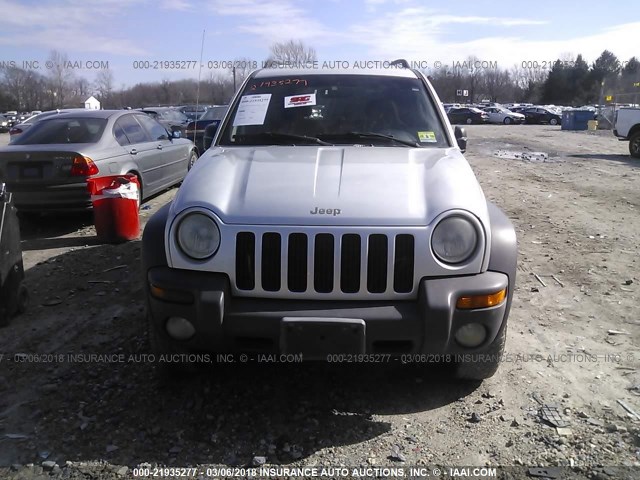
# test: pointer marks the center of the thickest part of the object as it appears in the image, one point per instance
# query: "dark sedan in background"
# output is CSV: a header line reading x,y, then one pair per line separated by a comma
x,y
467,115
47,167
193,112
195,130
172,118
539,115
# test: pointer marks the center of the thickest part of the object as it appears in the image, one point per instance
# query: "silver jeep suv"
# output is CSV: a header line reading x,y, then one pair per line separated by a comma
x,y
334,216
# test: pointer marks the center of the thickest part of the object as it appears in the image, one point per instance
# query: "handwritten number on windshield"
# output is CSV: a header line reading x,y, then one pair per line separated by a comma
x,y
279,83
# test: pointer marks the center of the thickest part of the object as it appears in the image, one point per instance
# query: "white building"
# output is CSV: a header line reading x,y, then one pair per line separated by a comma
x,y
91,103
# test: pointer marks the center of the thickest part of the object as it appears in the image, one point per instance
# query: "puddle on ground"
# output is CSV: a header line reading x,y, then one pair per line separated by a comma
x,y
525,156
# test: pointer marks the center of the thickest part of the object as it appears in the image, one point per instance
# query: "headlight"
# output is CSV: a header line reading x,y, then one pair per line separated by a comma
x,y
454,239
198,236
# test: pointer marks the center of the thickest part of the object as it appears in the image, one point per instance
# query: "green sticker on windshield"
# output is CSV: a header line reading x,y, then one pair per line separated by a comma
x,y
427,137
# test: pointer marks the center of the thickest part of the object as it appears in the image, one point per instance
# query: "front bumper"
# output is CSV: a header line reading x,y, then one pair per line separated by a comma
x,y
232,324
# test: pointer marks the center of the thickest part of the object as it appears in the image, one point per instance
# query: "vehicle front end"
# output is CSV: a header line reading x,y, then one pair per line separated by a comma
x,y
335,239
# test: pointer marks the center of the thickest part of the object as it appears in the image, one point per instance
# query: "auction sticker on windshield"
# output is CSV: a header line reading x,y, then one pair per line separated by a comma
x,y
427,137
300,100
252,110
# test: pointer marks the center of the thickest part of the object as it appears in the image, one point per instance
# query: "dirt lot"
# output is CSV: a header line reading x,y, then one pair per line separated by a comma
x,y
572,344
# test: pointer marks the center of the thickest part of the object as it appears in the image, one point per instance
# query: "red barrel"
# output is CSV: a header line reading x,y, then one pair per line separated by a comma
x,y
115,202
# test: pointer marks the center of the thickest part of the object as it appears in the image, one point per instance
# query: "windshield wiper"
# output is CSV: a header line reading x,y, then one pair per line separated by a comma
x,y
372,135
280,136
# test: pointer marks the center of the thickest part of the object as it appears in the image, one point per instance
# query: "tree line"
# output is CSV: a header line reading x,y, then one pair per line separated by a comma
x,y
569,81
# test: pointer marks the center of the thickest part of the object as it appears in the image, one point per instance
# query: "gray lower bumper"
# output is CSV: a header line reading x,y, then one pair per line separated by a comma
x,y
230,324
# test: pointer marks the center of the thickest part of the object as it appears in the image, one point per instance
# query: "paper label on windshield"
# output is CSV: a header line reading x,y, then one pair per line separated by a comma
x,y
429,137
300,100
252,110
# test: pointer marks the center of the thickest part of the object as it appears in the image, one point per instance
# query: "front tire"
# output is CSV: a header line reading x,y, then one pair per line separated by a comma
x,y
634,145
507,120
553,121
488,367
469,121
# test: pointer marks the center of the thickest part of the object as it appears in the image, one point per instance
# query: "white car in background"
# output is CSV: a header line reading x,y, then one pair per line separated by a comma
x,y
503,115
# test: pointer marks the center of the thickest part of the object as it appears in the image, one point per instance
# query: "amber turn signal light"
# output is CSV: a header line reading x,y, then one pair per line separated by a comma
x,y
482,301
175,296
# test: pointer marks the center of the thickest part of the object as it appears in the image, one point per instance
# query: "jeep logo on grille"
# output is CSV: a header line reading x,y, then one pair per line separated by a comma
x,y
325,211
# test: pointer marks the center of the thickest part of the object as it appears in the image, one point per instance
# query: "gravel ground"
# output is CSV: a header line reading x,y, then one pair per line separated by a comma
x,y
79,399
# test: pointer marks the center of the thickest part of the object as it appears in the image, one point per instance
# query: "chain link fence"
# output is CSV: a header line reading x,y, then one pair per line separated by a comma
x,y
606,113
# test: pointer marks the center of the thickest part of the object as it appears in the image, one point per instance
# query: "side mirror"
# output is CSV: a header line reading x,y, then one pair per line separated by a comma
x,y
176,134
461,138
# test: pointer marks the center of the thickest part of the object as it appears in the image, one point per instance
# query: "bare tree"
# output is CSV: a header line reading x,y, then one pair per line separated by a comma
x,y
293,53
81,88
14,81
61,78
103,86
217,89
240,69
497,84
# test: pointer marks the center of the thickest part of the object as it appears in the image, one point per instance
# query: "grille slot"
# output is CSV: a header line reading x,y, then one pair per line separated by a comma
x,y
403,263
271,262
350,263
377,263
297,265
323,263
246,261
307,262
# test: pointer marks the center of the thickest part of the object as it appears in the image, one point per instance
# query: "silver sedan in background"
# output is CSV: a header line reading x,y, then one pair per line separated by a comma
x,y
47,167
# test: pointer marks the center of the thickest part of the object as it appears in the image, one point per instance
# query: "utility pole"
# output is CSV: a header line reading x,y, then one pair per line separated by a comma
x,y
601,99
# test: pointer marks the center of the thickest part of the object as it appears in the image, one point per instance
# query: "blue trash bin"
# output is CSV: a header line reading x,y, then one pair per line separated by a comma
x,y
568,120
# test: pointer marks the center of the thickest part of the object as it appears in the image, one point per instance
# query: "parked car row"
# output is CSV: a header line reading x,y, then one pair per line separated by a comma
x,y
496,113
207,124
13,117
171,118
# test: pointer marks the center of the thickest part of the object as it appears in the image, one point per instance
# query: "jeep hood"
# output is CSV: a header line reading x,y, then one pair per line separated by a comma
x,y
344,185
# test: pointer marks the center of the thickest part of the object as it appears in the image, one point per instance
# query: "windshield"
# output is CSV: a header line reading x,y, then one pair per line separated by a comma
x,y
63,130
335,109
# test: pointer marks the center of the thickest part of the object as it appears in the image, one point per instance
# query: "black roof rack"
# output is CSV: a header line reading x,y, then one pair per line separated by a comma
x,y
400,62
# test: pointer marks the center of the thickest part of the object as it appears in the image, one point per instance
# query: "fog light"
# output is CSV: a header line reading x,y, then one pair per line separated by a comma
x,y
180,328
471,335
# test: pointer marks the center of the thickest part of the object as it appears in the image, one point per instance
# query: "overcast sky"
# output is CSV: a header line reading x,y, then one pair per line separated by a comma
x,y
126,31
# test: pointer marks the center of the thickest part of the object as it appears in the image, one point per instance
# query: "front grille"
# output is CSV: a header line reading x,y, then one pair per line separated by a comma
x,y
325,263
